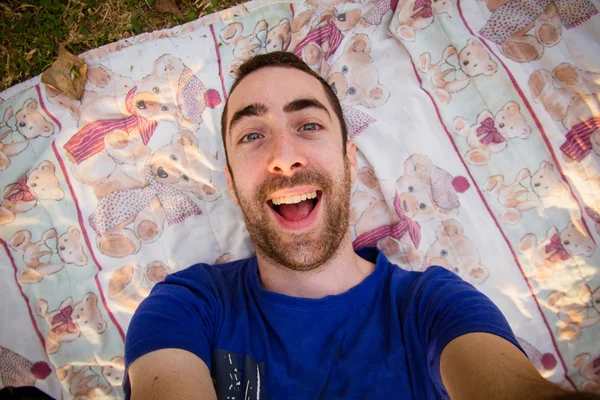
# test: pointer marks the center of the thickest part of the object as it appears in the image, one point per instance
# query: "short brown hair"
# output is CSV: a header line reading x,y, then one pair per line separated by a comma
x,y
285,60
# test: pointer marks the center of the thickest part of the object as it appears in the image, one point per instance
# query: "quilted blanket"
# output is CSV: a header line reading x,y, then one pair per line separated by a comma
x,y
478,129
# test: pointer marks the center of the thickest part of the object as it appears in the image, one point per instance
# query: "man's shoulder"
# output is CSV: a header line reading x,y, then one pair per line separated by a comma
x,y
413,288
203,276
417,280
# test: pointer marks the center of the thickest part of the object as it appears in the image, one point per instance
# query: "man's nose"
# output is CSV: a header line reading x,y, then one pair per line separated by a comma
x,y
286,157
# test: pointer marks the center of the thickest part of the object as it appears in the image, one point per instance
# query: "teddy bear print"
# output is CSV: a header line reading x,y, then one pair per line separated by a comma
x,y
454,71
423,193
84,382
70,321
522,29
545,182
130,284
568,94
172,173
491,132
100,81
374,16
455,252
323,39
12,148
22,196
114,371
16,370
279,36
416,15
244,47
28,123
37,256
108,151
589,369
354,78
575,312
515,198
366,192
545,363
553,253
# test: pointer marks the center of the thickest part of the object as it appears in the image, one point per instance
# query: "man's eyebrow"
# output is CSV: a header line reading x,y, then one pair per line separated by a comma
x,y
301,104
253,110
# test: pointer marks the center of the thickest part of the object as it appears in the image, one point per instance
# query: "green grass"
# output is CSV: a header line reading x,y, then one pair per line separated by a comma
x,y
31,31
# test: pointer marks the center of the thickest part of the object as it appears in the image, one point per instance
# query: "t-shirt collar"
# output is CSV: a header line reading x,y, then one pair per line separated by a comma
x,y
361,292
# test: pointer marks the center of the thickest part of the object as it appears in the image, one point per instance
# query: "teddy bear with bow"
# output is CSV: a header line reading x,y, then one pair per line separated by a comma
x,y
108,151
575,312
568,95
423,193
37,256
454,71
20,197
515,197
70,320
324,35
522,29
491,133
417,15
553,253
29,123
83,382
171,174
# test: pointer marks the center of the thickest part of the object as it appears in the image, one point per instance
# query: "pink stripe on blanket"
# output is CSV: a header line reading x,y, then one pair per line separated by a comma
x,y
87,240
557,164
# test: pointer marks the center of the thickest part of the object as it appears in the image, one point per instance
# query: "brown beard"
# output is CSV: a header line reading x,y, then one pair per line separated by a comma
x,y
299,251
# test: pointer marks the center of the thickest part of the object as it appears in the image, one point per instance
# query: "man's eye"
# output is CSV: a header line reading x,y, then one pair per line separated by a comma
x,y
250,137
310,127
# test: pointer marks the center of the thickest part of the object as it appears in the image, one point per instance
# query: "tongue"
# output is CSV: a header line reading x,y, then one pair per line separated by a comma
x,y
295,212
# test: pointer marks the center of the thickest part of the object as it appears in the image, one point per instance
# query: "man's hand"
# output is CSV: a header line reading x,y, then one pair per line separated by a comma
x,y
170,374
485,366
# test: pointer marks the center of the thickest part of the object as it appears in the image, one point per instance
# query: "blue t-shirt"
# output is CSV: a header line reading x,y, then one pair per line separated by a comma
x,y
382,339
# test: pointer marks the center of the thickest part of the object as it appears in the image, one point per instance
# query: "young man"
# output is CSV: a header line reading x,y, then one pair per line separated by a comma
x,y
308,317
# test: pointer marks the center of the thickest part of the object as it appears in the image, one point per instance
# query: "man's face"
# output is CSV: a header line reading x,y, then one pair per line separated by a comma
x,y
288,172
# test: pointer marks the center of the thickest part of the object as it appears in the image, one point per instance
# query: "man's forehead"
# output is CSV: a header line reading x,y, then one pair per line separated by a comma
x,y
275,87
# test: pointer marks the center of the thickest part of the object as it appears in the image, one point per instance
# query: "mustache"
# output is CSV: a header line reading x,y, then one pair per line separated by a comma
x,y
304,177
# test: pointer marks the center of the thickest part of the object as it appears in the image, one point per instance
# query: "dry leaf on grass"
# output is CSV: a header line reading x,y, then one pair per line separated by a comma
x,y
67,74
168,6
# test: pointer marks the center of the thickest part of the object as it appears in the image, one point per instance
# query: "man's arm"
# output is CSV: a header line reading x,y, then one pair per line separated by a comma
x,y
485,366
170,374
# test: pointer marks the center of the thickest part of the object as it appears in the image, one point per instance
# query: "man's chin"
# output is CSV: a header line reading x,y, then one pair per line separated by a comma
x,y
297,251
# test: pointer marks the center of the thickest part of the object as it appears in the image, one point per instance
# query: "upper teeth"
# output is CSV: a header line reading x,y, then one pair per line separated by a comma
x,y
294,199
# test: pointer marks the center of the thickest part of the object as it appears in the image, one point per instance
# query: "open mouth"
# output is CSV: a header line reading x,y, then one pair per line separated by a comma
x,y
295,208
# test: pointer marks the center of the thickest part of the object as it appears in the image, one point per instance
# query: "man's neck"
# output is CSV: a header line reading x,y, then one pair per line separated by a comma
x,y
338,275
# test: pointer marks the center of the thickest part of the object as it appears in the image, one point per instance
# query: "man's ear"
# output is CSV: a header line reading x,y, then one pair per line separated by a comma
x,y
232,194
352,160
